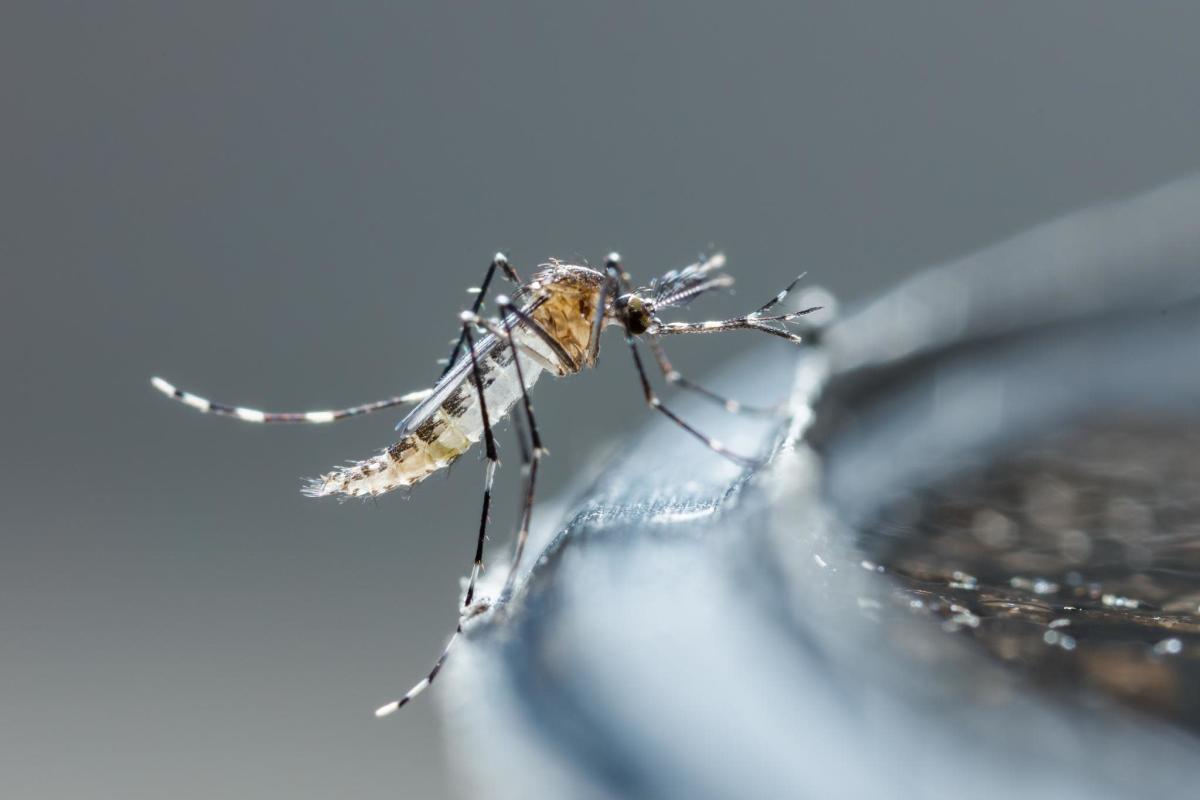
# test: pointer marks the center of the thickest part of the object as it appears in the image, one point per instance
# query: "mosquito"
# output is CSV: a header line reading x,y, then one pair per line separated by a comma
x,y
551,324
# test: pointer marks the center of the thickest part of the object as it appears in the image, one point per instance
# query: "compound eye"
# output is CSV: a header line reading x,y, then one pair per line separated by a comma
x,y
636,315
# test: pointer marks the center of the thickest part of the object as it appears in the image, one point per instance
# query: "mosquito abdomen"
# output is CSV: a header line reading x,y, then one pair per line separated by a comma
x,y
438,438
405,463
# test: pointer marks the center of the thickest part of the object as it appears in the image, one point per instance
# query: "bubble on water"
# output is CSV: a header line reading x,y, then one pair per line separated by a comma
x,y
1049,503
994,529
1116,601
1127,518
1075,545
1170,647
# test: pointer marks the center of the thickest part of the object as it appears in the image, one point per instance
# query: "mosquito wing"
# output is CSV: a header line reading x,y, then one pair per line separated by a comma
x,y
455,392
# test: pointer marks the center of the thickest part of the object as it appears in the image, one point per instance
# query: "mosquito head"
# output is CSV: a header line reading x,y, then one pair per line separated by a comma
x,y
634,312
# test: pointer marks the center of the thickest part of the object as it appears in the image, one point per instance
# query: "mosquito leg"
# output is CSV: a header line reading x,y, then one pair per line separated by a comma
x,y
531,472
779,298
566,364
616,267
673,377
499,262
535,452
527,458
615,278
653,401
521,437
755,321
532,453
489,441
424,683
469,610
254,415
751,322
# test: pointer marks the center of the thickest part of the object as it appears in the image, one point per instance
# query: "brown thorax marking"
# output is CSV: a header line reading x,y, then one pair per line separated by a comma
x,y
566,315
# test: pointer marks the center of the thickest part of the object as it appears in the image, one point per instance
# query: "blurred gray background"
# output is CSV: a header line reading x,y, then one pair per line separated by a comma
x,y
281,205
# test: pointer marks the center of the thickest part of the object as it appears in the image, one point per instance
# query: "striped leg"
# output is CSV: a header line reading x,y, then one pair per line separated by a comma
x,y
535,453
531,456
653,401
489,442
467,615
616,278
779,298
469,609
675,379
254,415
532,453
750,322
757,321
499,262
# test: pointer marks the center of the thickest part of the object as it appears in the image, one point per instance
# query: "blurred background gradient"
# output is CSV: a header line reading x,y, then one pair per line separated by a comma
x,y
281,205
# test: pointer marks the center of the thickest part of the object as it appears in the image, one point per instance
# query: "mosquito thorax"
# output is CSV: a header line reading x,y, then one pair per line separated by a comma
x,y
635,313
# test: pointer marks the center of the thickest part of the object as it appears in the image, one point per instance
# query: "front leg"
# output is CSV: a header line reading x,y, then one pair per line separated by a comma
x,y
755,321
672,376
499,262
493,461
750,322
656,404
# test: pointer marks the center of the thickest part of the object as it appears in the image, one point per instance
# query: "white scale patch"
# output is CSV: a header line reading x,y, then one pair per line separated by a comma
x,y
390,708
187,398
196,402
